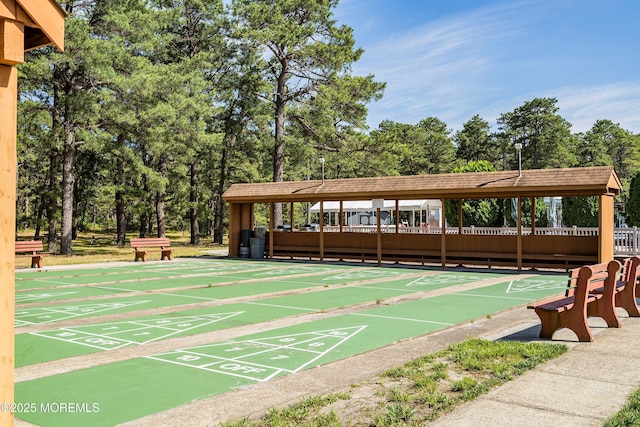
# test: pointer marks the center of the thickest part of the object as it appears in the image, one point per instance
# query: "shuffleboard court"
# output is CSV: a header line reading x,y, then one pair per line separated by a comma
x,y
174,277
255,282
38,347
197,265
35,296
53,313
180,376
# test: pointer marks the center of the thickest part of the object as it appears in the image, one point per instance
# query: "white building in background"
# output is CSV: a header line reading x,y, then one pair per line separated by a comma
x,y
554,211
413,213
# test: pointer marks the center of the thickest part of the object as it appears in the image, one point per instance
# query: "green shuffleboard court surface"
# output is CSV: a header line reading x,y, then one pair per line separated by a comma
x,y
117,392
78,292
38,347
187,276
51,313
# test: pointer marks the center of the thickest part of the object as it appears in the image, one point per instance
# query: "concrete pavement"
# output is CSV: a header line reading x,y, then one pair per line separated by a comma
x,y
583,387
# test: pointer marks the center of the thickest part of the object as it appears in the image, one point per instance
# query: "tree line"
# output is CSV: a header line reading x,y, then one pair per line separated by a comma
x,y
156,107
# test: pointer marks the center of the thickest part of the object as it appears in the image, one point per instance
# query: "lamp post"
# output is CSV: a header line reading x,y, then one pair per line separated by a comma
x,y
322,163
518,147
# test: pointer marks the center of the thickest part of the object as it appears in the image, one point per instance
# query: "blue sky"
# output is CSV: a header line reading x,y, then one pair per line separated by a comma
x,y
452,59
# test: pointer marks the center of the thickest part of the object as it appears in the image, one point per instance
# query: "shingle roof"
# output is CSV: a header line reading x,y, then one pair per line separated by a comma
x,y
533,182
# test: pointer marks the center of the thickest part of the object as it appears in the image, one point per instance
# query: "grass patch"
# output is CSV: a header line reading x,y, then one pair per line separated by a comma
x,y
629,415
306,413
421,390
99,246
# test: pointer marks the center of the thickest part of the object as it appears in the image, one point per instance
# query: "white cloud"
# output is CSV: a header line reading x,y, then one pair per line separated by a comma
x,y
443,68
583,106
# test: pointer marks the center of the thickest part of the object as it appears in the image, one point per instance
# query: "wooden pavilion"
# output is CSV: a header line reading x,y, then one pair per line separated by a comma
x,y
514,249
24,25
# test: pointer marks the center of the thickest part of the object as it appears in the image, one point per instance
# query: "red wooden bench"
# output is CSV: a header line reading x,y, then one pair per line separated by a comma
x,y
572,310
141,245
33,247
626,287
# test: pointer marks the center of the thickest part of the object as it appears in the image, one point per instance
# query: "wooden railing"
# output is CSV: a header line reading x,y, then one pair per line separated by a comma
x,y
627,239
487,231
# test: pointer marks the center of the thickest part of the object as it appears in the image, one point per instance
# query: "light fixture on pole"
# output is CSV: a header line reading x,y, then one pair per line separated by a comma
x,y
518,147
322,163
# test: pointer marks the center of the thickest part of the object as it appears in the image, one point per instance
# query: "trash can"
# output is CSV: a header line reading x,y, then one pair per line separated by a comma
x,y
244,251
257,248
245,235
260,232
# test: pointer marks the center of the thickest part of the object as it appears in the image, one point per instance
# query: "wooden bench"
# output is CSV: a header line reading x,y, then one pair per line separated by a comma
x,y
140,245
33,247
626,287
572,310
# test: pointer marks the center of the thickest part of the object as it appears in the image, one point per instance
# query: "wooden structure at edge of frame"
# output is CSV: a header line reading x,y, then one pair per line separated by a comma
x,y
517,250
24,25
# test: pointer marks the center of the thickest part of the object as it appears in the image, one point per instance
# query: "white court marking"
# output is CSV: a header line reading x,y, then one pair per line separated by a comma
x,y
294,270
113,335
448,278
263,358
36,316
23,297
363,274
535,284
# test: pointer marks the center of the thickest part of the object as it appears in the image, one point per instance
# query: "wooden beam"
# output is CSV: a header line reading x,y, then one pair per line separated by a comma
x,y
11,42
9,10
49,18
8,129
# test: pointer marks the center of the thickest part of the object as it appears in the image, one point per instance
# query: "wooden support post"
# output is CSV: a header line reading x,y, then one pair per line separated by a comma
x,y
341,216
46,26
234,229
460,222
321,222
519,241
443,235
291,216
8,128
379,236
606,222
272,208
397,216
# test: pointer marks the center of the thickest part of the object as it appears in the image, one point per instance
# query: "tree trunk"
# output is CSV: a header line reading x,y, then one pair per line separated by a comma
x,y
51,202
160,214
160,194
218,226
39,215
121,215
278,149
193,198
144,215
67,191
